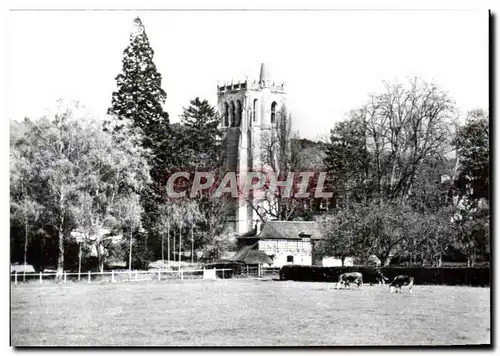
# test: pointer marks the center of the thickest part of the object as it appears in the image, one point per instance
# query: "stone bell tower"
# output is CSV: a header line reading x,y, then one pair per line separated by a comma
x,y
248,109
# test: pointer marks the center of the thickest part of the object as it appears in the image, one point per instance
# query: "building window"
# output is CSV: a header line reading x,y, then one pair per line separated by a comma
x,y
254,110
239,110
289,259
233,114
273,112
226,115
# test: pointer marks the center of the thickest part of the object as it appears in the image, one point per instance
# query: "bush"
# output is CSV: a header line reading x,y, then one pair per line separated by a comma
x,y
472,276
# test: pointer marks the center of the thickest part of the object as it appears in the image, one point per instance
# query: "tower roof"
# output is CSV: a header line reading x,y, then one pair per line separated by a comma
x,y
264,73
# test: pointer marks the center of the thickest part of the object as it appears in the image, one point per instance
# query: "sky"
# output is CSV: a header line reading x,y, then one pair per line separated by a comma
x,y
330,61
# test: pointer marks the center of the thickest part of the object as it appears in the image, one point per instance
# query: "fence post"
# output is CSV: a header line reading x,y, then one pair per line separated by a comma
x,y
89,277
40,277
79,275
15,277
136,275
64,277
223,273
182,275
159,275
247,270
112,276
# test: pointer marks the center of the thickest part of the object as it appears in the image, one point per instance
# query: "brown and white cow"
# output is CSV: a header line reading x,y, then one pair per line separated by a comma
x,y
350,277
399,281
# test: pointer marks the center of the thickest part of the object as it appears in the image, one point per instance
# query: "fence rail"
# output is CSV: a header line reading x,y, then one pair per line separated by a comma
x,y
121,276
136,275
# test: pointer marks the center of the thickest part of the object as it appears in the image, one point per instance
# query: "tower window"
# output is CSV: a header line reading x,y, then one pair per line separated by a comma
x,y
239,110
233,114
226,115
254,109
289,259
273,112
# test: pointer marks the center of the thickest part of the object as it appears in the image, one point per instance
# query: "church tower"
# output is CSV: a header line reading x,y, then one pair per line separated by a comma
x,y
248,109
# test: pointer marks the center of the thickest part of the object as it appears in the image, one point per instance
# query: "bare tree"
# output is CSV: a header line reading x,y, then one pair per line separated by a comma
x,y
279,155
407,125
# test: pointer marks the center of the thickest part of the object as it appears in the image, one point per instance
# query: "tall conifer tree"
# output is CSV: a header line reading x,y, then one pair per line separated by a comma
x,y
202,135
140,97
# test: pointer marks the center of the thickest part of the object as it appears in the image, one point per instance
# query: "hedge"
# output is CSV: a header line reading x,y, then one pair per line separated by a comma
x,y
472,276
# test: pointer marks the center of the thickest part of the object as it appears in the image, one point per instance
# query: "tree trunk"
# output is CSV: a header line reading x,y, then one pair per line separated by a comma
x,y
440,261
470,261
130,253
25,249
79,260
192,245
342,260
162,249
101,262
392,181
60,257
385,261
100,258
180,245
173,247
168,244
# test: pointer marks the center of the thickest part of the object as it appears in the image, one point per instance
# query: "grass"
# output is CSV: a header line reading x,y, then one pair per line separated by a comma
x,y
246,313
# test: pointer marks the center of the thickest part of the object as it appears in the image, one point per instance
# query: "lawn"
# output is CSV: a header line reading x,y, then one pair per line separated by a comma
x,y
246,313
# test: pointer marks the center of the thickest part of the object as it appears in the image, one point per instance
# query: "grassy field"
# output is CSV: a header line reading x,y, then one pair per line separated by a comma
x,y
246,313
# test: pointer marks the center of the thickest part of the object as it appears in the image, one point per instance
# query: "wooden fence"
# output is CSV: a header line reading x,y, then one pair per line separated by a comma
x,y
120,276
131,276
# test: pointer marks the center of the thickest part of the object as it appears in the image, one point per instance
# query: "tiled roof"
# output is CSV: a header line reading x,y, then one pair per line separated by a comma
x,y
250,256
257,256
240,255
290,230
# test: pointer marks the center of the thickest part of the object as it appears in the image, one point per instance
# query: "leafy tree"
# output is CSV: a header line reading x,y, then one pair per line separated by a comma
x,y
130,210
123,172
341,235
24,207
473,146
472,187
432,184
472,224
365,229
53,149
199,143
163,227
27,211
431,236
213,228
77,173
214,249
347,160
